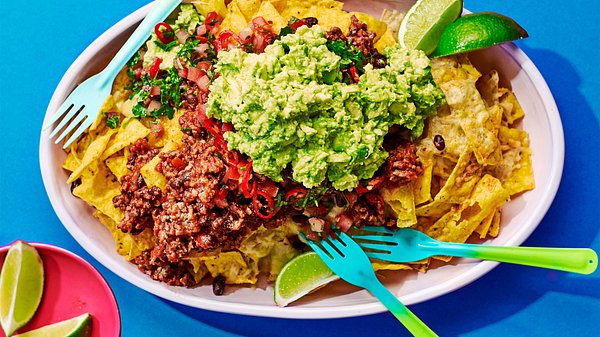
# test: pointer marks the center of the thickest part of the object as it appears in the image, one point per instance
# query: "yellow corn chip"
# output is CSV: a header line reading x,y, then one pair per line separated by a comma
x,y
98,187
387,39
495,226
127,245
247,7
117,166
457,226
92,154
234,19
206,6
130,130
270,13
402,202
232,266
151,176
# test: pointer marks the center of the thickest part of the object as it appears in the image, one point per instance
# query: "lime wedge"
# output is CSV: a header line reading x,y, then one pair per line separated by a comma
x,y
80,326
425,21
21,286
477,31
301,275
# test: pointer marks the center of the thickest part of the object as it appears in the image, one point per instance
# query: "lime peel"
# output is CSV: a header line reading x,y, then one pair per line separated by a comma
x,y
477,31
300,276
80,326
21,286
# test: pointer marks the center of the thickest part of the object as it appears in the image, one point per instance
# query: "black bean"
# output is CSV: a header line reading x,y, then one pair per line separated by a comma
x,y
379,61
219,285
296,243
192,99
310,21
439,142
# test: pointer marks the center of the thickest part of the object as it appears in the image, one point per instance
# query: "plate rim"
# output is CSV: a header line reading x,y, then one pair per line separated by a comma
x,y
298,312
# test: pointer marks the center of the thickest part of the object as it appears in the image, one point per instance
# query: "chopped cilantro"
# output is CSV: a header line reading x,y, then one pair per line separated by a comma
x,y
166,47
112,120
350,54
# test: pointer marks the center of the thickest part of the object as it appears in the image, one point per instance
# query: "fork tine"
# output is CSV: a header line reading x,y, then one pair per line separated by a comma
x,y
84,125
80,116
68,115
61,111
316,248
377,238
375,246
379,256
333,250
377,229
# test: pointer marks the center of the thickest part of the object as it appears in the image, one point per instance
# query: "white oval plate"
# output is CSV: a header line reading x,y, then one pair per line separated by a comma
x,y
520,217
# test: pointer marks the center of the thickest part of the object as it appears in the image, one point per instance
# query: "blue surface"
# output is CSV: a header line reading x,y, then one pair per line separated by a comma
x,y
510,300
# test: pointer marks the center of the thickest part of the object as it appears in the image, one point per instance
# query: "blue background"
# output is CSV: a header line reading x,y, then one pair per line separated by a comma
x,y
40,39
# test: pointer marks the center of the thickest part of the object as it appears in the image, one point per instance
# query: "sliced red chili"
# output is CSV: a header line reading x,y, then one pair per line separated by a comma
x,y
154,67
354,74
164,32
211,125
245,183
263,211
295,194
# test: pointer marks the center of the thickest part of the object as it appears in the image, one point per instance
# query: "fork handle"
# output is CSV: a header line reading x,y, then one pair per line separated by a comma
x,y
576,260
158,13
410,321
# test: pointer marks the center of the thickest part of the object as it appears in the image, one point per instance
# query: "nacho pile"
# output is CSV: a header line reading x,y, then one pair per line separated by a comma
x,y
475,159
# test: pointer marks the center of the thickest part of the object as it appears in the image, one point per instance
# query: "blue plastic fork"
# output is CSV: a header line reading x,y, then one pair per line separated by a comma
x,y
83,104
408,245
345,258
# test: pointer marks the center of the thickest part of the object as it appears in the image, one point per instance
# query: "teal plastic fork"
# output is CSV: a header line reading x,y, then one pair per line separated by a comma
x,y
345,258
82,106
408,245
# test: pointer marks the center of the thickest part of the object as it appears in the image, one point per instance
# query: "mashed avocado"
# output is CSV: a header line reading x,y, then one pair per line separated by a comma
x,y
288,107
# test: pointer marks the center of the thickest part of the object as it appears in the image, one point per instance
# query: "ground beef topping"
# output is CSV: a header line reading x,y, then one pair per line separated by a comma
x,y
137,201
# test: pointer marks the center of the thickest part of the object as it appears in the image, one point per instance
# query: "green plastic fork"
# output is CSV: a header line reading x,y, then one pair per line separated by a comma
x,y
408,245
82,106
345,258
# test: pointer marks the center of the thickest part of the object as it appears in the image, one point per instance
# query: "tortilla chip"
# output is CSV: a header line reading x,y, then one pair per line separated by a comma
x,y
92,154
128,245
206,6
516,171
270,13
230,265
151,176
247,7
422,186
117,166
512,109
463,178
484,226
402,202
234,20
457,226
386,40
129,131
98,187
495,226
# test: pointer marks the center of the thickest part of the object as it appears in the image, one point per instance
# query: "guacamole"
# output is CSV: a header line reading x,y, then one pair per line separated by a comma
x,y
289,108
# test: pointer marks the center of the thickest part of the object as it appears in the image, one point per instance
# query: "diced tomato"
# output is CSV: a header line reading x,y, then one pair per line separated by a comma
x,y
164,32
204,65
213,19
178,163
194,74
269,189
344,221
298,24
157,129
227,40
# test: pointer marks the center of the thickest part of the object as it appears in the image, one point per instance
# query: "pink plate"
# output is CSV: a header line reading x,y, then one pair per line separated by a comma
x,y
72,287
